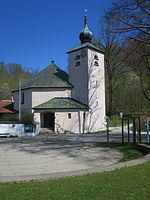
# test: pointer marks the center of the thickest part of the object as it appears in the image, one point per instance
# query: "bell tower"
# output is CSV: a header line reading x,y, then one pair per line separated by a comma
x,y
86,74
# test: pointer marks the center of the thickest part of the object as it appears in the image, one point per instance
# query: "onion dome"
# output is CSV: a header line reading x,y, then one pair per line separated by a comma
x,y
86,34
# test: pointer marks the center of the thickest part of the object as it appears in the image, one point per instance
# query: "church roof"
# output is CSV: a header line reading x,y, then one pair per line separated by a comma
x,y
87,44
62,103
50,77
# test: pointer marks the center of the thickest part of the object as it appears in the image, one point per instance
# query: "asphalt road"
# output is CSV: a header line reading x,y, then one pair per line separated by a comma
x,y
54,154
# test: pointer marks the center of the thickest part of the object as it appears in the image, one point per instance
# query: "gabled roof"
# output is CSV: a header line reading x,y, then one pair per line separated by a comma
x,y
62,103
7,107
50,77
89,45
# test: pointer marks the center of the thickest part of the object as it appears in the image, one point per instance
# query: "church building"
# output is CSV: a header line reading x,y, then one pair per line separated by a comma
x,y
73,102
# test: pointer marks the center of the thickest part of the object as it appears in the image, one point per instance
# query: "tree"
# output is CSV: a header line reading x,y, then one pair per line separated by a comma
x,y
5,93
131,18
9,78
139,61
115,65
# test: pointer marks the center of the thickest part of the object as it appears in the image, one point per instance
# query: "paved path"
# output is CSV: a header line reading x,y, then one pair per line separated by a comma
x,y
53,156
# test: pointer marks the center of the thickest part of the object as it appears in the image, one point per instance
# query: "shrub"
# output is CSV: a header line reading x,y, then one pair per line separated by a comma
x,y
114,121
8,117
26,117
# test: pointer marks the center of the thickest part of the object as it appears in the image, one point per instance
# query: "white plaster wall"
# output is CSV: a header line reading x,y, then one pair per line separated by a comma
x,y
96,91
27,100
36,96
78,76
62,122
40,96
89,86
37,117
75,124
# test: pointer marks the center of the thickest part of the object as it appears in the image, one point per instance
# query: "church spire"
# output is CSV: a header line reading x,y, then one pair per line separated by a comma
x,y
86,34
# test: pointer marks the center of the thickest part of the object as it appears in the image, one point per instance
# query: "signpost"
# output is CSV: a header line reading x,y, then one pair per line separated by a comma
x,y
107,126
121,116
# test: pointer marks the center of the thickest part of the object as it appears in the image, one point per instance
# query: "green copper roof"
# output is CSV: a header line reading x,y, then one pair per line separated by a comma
x,y
84,45
62,103
50,77
85,35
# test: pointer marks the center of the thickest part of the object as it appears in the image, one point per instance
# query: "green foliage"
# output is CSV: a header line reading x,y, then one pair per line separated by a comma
x,y
128,97
26,116
8,117
114,121
122,184
135,115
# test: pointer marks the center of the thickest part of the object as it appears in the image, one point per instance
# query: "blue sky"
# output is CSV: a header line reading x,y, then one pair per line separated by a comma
x,y
32,31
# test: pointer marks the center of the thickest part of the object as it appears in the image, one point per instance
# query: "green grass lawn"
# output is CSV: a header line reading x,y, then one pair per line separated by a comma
x,y
130,152
128,183
98,132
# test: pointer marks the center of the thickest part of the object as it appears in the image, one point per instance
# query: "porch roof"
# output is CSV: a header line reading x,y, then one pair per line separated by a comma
x,y
62,103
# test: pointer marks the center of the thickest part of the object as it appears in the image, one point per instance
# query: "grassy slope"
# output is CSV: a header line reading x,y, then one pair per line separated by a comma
x,y
124,184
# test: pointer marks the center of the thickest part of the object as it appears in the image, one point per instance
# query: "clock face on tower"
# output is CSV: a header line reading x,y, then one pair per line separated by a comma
x,y
83,53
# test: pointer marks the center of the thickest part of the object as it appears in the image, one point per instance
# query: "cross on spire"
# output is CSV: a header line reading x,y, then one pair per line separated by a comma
x,y
85,17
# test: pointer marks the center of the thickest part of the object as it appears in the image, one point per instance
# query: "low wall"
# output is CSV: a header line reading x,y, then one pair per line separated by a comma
x,y
18,130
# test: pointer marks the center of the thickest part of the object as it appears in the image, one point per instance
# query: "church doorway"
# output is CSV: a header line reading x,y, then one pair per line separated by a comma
x,y
49,121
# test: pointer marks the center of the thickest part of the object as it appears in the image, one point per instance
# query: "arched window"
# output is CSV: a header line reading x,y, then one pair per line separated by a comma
x,y
96,63
77,64
77,57
96,57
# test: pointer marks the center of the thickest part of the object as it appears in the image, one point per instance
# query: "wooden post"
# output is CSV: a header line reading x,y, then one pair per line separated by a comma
x,y
128,131
107,130
139,129
122,131
134,131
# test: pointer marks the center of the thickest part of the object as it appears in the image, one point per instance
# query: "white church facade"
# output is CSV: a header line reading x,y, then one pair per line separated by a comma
x,y
73,102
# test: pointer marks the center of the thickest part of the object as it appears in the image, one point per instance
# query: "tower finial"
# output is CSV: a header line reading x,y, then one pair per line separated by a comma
x,y
52,59
85,17
86,34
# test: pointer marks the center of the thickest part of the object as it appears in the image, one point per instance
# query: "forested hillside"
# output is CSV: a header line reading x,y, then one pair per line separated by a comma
x,y
9,78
